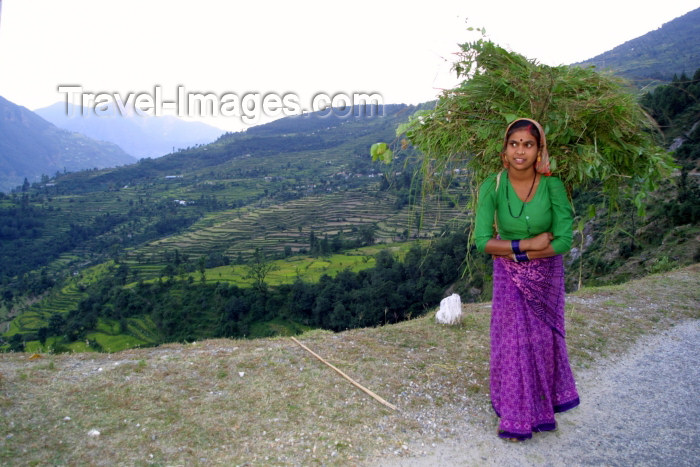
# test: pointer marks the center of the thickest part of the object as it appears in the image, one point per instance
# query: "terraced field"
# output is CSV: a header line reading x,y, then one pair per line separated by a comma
x,y
272,228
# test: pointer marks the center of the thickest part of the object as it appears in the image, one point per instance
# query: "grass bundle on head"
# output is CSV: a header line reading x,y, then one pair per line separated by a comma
x,y
596,130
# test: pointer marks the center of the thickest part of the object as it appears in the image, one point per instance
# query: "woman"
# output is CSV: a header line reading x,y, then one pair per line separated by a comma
x,y
524,220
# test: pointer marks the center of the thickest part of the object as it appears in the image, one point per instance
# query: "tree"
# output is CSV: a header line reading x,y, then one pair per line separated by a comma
x,y
16,343
313,243
202,264
340,317
368,234
258,269
42,334
56,324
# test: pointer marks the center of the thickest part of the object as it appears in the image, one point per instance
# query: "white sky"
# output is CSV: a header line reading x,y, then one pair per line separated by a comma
x,y
401,50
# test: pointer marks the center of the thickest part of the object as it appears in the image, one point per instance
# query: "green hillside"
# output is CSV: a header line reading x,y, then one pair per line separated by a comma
x,y
302,193
166,249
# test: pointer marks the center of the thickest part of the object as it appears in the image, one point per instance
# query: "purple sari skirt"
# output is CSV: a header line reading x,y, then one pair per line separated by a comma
x,y
531,378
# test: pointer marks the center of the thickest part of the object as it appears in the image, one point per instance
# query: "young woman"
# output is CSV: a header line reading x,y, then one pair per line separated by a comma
x,y
524,220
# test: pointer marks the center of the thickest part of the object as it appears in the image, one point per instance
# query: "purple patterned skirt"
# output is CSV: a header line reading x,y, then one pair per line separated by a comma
x,y
531,378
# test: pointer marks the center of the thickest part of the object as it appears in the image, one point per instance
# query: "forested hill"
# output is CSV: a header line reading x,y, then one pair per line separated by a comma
x,y
260,147
672,49
304,193
97,211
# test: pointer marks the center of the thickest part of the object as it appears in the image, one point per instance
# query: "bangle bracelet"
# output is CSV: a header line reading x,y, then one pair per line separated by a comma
x,y
515,246
520,257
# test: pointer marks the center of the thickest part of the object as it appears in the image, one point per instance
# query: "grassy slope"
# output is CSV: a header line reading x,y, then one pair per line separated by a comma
x,y
268,402
334,205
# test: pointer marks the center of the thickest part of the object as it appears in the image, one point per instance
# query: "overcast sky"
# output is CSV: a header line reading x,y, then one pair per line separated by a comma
x,y
401,50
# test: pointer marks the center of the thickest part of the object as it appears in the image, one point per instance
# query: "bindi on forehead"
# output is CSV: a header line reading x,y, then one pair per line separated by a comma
x,y
522,139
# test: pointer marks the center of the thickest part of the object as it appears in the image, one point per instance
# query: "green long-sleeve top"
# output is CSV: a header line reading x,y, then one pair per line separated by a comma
x,y
548,211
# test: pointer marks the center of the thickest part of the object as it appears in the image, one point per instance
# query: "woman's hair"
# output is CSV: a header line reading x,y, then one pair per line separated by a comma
x,y
523,125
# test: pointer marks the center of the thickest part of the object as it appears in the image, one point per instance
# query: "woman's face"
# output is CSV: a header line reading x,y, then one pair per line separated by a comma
x,y
521,150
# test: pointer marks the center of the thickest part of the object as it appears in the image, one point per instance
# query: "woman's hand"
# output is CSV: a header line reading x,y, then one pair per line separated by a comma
x,y
536,247
507,257
536,243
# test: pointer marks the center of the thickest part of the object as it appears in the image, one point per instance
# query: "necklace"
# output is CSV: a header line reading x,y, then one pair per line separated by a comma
x,y
522,208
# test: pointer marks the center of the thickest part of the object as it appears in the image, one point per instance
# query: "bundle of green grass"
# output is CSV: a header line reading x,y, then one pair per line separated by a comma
x,y
597,133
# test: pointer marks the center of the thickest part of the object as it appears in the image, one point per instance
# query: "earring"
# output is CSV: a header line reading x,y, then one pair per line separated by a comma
x,y
539,158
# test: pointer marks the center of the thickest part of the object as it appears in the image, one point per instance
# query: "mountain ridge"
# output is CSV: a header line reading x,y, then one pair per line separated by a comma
x,y
138,135
31,147
658,55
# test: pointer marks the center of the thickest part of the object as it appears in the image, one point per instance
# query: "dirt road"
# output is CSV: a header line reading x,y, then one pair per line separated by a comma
x,y
637,409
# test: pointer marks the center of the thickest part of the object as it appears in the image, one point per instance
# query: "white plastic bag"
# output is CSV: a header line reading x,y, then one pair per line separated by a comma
x,y
450,311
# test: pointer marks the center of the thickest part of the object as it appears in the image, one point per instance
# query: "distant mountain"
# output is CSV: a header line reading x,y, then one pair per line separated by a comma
x,y
671,50
323,120
140,136
31,147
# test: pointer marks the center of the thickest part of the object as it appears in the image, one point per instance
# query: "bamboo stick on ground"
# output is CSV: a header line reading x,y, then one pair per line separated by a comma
x,y
355,383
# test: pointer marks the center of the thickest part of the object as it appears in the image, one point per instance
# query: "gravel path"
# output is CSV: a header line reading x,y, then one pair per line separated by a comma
x,y
637,409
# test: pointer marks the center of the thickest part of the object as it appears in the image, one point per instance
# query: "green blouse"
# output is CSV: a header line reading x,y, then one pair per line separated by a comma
x,y
548,211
